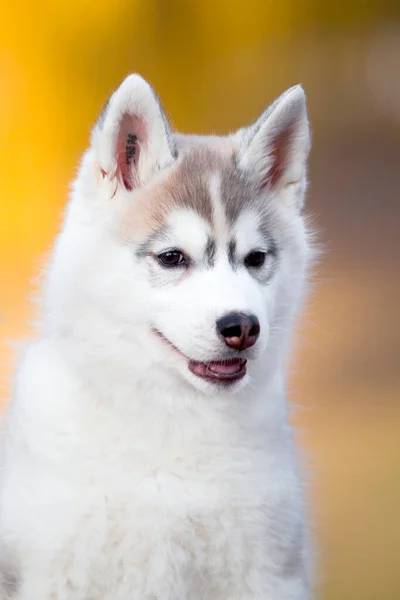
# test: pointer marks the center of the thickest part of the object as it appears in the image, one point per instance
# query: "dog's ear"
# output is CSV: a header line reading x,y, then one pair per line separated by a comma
x,y
275,148
132,138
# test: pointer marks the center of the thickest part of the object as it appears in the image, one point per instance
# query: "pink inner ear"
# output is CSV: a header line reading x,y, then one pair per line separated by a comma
x,y
131,139
280,149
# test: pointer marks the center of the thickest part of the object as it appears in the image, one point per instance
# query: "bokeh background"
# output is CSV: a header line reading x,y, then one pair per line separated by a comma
x,y
216,64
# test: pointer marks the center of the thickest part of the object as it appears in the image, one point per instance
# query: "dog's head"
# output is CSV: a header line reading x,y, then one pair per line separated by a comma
x,y
191,250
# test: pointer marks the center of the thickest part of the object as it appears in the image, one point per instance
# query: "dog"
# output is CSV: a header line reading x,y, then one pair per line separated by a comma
x,y
147,450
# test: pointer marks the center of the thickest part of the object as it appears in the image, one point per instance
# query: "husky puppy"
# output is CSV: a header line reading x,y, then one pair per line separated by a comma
x,y
147,451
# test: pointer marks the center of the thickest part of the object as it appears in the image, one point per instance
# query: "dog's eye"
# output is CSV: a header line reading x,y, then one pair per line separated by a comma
x,y
255,259
172,258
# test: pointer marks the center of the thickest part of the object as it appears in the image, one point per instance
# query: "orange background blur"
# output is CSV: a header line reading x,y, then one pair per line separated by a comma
x,y
216,64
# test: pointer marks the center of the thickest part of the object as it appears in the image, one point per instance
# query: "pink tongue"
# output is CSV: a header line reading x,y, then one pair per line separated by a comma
x,y
225,368
228,371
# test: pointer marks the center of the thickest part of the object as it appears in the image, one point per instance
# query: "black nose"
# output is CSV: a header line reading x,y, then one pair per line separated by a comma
x,y
239,331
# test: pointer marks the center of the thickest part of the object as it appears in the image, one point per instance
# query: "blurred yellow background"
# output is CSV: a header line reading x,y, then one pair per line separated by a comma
x,y
216,64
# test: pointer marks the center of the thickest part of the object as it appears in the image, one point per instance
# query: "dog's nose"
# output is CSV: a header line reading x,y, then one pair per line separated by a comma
x,y
239,331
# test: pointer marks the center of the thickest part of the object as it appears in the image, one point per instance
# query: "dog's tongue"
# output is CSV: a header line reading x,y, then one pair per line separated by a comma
x,y
232,369
229,368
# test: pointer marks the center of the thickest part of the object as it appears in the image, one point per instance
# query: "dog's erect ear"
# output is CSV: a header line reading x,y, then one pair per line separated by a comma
x,y
132,138
275,148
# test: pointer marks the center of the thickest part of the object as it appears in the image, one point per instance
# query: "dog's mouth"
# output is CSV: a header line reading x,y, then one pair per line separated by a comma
x,y
223,371
217,371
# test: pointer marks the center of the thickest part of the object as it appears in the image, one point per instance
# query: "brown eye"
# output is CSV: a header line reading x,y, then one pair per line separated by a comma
x,y
255,259
172,258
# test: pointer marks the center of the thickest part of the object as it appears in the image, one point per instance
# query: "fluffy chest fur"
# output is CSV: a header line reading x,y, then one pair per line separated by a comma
x,y
183,504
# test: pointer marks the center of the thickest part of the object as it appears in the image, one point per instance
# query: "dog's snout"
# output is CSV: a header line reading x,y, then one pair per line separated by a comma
x,y
239,331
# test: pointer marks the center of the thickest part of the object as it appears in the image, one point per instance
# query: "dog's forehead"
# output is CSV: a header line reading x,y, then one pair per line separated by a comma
x,y
205,181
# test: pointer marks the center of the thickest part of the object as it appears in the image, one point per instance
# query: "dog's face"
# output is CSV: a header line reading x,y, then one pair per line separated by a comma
x,y
197,245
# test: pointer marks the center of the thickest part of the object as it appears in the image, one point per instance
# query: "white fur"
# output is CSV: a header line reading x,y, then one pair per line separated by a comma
x,y
219,218
125,476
